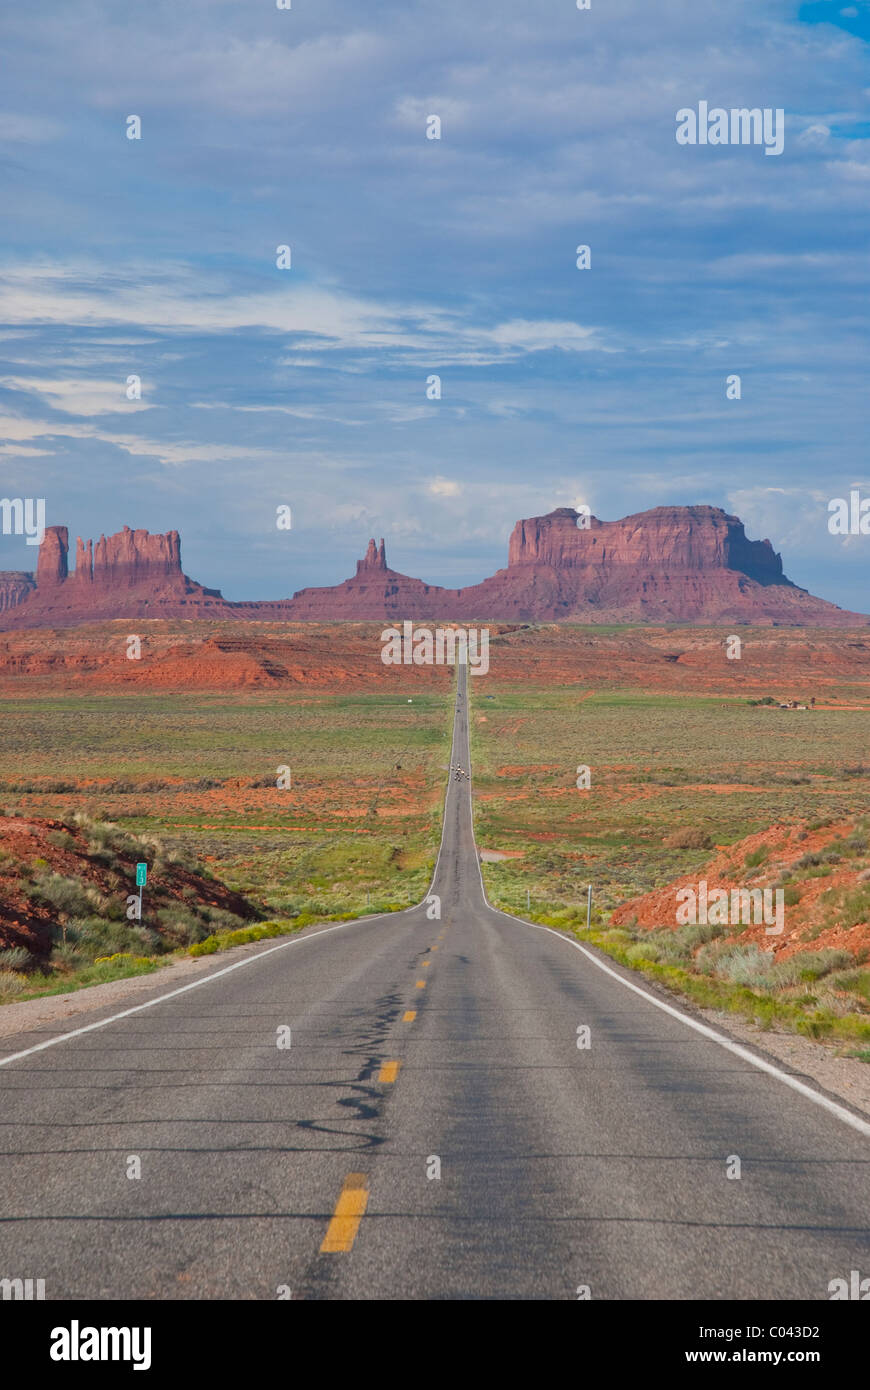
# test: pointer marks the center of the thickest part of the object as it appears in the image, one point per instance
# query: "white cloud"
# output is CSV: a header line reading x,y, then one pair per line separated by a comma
x,y
329,319
853,169
172,453
23,451
18,128
791,518
535,335
443,487
78,396
815,135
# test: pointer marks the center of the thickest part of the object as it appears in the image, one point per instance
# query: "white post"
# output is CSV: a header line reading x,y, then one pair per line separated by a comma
x,y
589,908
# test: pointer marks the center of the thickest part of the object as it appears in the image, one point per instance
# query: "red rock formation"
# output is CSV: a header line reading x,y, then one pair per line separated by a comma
x,y
374,559
51,565
668,565
84,562
133,558
665,538
15,586
374,593
129,575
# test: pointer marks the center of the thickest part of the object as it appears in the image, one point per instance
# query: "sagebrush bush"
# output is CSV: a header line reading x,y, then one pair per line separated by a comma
x,y
756,857
95,936
15,958
643,950
690,837
220,919
745,965
66,895
61,839
180,926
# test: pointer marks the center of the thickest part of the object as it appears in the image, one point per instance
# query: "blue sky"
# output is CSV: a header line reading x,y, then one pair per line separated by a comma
x,y
307,387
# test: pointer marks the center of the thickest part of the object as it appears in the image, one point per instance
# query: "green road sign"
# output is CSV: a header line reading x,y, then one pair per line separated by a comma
x,y
141,875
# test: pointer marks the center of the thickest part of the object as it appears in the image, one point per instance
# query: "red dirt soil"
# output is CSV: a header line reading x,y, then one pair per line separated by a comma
x,y
785,663
26,849
786,844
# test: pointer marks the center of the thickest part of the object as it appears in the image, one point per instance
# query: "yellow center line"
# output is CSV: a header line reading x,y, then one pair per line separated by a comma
x,y
349,1209
436,947
426,964
389,1071
421,984
409,1016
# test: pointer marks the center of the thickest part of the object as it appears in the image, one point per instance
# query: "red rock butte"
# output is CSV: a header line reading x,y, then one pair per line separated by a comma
x,y
667,565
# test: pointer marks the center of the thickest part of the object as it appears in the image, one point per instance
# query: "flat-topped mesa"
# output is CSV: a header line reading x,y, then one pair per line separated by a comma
x,y
375,558
131,574
131,558
664,538
668,565
126,560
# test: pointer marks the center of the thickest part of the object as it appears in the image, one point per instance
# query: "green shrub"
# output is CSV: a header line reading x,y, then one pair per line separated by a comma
x,y
643,950
856,981
690,837
205,948
16,958
855,907
61,840
222,920
68,896
181,927
745,965
95,936
756,857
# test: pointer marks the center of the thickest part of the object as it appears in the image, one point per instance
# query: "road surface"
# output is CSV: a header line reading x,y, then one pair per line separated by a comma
x,y
433,1130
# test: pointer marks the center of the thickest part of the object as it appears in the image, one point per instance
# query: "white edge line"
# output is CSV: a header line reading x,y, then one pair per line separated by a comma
x,y
237,965
862,1126
182,989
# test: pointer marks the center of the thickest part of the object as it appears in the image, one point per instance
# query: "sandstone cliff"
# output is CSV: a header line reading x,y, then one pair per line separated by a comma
x,y
670,564
131,574
667,565
15,587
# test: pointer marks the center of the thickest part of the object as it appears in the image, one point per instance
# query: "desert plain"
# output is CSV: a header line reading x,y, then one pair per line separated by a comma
x,y
279,774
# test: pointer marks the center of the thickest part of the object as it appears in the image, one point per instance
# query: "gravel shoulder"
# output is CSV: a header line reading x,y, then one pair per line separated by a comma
x,y
52,1010
846,1077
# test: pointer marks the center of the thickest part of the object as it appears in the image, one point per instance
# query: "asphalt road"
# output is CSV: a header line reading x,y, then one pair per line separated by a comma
x,y
311,1170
